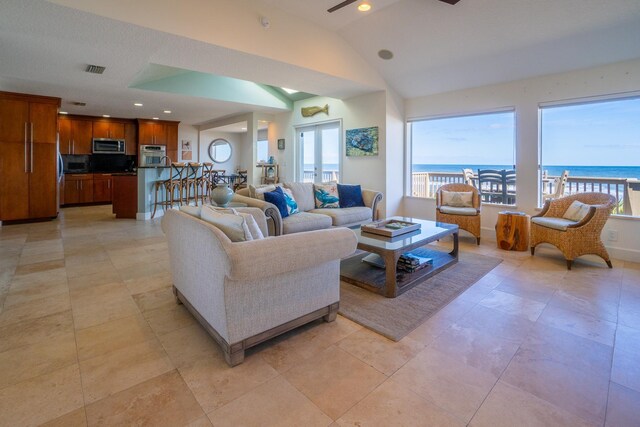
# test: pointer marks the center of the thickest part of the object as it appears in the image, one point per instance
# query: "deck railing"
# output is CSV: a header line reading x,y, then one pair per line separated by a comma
x,y
326,176
625,190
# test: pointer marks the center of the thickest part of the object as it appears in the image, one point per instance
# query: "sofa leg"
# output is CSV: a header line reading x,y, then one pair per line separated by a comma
x,y
609,264
569,262
175,293
533,250
478,240
234,356
333,313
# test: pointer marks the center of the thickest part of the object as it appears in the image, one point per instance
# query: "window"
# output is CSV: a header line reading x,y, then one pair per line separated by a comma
x,y
598,143
442,148
319,147
263,150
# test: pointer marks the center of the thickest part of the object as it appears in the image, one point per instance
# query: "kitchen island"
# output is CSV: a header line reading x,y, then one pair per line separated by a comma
x,y
147,178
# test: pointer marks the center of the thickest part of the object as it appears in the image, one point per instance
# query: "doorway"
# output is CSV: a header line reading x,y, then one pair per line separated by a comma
x,y
320,151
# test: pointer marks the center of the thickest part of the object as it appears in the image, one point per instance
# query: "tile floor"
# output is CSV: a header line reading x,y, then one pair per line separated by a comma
x,y
90,334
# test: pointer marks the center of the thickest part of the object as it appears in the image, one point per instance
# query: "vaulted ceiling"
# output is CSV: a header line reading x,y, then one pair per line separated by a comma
x,y
45,46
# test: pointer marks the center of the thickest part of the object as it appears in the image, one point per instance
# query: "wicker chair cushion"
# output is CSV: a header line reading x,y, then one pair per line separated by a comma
x,y
551,222
576,211
451,210
458,199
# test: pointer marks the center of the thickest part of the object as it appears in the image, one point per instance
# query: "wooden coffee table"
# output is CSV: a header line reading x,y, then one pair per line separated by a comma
x,y
391,282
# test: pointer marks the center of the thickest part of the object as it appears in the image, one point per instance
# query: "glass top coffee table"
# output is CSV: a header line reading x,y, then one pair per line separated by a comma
x,y
392,282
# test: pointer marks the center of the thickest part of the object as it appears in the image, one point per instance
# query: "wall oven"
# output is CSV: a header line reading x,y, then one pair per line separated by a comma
x,y
152,155
108,146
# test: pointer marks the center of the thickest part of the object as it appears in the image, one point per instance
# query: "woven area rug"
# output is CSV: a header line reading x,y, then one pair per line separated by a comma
x,y
396,317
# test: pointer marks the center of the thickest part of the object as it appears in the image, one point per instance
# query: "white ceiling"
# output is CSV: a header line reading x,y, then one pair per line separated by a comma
x,y
44,48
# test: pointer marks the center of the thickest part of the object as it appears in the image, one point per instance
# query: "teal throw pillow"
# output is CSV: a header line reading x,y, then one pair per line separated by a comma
x,y
292,206
326,195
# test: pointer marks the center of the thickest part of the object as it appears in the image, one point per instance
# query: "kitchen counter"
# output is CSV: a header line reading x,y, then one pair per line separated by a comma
x,y
124,173
154,167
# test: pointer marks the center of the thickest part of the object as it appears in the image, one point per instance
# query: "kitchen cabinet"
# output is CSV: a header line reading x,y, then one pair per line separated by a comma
x,y
152,132
28,156
75,135
131,139
108,129
102,187
78,188
172,141
125,196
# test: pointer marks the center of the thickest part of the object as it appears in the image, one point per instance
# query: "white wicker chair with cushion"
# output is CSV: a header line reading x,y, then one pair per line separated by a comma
x,y
459,204
574,228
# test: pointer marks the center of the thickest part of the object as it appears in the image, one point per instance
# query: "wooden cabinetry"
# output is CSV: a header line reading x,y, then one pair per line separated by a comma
x,y
159,132
102,187
152,132
106,128
78,188
28,156
75,135
125,196
131,139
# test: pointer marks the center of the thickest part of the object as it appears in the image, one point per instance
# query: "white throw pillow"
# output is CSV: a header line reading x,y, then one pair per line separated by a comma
x,y
457,199
258,192
576,211
234,226
192,210
254,229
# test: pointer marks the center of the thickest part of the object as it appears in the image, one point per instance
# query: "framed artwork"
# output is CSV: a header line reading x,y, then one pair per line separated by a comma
x,y
187,152
362,142
281,144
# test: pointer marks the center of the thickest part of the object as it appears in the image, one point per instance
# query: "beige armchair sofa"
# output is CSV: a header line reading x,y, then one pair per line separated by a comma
x,y
309,218
244,293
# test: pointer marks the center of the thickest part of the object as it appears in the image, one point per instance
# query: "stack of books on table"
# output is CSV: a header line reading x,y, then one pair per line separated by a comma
x,y
410,262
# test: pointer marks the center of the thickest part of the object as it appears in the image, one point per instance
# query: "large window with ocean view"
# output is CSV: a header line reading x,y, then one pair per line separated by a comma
x,y
596,145
461,149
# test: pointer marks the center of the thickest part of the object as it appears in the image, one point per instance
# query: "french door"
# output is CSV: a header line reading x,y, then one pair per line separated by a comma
x,y
319,152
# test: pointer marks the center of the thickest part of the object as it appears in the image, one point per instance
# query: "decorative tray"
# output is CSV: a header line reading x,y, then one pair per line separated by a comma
x,y
390,227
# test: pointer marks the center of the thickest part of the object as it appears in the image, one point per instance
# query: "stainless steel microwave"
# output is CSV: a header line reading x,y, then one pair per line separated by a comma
x,y
108,146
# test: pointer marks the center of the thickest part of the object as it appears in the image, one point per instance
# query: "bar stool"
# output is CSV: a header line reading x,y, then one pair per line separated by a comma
x,y
170,187
191,182
206,184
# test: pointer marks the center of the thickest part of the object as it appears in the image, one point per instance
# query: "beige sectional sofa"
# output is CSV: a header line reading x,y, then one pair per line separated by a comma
x,y
246,292
309,218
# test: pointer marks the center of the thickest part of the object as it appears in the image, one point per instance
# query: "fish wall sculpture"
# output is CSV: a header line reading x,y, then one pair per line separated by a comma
x,y
312,111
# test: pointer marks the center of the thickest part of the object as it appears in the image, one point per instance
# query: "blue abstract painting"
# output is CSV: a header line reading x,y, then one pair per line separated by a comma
x,y
362,142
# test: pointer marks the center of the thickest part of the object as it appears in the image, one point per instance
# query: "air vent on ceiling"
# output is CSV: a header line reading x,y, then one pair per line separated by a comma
x,y
78,103
95,69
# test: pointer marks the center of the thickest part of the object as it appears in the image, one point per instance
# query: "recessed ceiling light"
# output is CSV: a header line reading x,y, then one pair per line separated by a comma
x,y
364,7
63,112
167,111
156,118
244,128
385,54
290,91
138,104
106,115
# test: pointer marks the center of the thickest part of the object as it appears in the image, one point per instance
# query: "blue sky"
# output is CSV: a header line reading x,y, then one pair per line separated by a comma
x,y
594,134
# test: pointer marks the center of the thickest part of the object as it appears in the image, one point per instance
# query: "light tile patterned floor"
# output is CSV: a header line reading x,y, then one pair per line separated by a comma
x,y
90,334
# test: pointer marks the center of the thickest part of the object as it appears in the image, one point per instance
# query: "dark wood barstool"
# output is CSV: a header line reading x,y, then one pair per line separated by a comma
x,y
172,188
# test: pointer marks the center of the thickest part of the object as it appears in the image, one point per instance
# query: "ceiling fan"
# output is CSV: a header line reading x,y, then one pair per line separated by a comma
x,y
348,2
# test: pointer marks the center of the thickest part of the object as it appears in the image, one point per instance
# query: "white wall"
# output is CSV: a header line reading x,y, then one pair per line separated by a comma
x,y
237,148
357,112
524,96
188,132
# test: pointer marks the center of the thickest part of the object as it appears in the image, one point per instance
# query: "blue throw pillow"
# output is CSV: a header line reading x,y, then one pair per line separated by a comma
x,y
277,198
350,196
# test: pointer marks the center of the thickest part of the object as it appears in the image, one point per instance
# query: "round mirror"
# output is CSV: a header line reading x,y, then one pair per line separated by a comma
x,y
220,150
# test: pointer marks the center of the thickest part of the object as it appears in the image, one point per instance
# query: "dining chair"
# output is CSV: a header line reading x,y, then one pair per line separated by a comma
x,y
560,184
490,185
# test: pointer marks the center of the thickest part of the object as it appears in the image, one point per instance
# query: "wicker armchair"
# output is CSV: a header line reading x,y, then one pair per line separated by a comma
x,y
470,220
579,238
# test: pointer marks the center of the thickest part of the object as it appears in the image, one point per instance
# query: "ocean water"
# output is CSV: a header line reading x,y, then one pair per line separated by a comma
x,y
574,171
